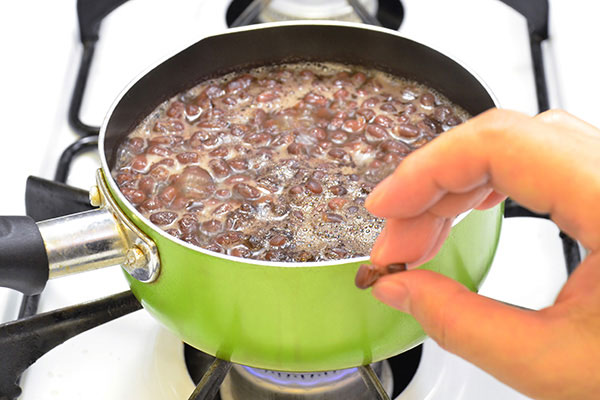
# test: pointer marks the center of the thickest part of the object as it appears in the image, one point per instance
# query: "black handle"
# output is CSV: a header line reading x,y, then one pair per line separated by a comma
x,y
23,259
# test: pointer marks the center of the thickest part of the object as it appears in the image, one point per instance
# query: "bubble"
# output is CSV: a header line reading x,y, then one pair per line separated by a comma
x,y
289,120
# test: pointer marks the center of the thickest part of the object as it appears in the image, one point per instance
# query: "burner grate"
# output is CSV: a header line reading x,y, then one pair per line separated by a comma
x,y
211,381
373,383
90,14
25,340
536,12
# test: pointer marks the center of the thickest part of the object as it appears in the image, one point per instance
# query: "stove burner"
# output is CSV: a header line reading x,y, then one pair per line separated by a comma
x,y
244,382
387,13
259,384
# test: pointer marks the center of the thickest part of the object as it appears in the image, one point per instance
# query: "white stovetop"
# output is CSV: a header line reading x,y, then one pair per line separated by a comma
x,y
40,53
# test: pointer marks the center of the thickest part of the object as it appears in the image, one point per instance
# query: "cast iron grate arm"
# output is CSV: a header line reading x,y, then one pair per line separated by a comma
x,y
23,341
537,12
373,383
90,14
211,381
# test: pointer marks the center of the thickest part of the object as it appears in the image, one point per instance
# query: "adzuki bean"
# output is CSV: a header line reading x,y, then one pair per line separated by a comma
x,y
275,163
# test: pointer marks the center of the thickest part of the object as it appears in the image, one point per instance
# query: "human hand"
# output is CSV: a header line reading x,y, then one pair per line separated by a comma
x,y
550,164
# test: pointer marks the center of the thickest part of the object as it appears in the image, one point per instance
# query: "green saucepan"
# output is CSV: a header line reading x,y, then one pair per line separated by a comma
x,y
273,315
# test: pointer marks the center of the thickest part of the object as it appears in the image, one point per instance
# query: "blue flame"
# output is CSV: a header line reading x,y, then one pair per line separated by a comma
x,y
281,378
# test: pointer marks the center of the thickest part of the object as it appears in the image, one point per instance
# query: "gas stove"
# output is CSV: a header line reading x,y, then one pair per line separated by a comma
x,y
136,358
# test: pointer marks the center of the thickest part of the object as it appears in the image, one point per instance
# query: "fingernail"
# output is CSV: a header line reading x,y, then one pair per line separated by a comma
x,y
377,250
371,200
393,294
376,194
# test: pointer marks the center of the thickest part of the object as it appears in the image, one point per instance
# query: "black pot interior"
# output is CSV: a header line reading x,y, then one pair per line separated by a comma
x,y
229,52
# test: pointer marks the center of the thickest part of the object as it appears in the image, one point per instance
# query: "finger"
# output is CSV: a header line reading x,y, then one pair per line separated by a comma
x,y
453,204
584,285
547,354
406,240
386,251
478,329
493,199
567,122
531,161
418,183
437,245
388,265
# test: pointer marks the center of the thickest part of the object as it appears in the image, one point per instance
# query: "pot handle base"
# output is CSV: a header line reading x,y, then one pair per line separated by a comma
x,y
99,238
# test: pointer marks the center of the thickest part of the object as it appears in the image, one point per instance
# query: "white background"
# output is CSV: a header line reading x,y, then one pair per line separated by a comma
x,y
39,57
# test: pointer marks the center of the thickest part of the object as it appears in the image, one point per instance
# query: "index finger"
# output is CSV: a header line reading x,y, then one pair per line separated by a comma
x,y
452,163
540,165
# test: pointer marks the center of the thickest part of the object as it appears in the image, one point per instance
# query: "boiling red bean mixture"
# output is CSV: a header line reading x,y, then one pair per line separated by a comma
x,y
275,163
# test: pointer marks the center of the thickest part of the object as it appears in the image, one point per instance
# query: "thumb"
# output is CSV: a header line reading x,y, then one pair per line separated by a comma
x,y
503,340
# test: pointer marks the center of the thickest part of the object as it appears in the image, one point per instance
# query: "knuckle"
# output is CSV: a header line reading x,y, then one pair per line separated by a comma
x,y
554,115
498,120
494,127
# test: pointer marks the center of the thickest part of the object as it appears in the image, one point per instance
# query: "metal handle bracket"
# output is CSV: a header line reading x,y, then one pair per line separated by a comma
x,y
141,257
99,238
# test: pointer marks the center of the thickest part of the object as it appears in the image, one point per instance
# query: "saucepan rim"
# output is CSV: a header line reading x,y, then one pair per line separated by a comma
x,y
117,192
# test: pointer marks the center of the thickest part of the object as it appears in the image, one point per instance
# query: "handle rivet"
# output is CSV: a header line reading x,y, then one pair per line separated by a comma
x,y
135,257
95,196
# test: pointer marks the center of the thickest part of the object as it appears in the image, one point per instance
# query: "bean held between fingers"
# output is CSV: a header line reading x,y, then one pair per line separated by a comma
x,y
275,163
367,274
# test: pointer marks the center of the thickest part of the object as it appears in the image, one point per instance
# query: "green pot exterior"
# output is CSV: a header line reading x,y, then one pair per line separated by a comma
x,y
296,318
